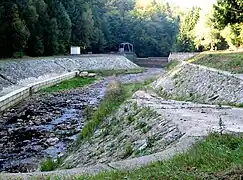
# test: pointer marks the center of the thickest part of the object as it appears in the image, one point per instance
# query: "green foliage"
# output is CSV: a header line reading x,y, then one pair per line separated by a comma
x,y
208,37
128,150
18,54
221,27
49,27
216,157
50,164
69,84
186,36
228,12
232,35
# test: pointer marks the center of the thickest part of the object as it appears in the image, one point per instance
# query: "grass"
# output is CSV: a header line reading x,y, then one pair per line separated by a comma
x,y
115,96
49,164
171,65
69,84
217,156
105,73
226,61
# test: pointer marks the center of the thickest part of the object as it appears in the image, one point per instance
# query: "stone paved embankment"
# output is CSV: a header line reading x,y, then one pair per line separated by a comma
x,y
18,73
201,84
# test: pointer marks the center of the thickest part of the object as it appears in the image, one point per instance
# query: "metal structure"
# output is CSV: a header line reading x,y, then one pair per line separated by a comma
x,y
126,48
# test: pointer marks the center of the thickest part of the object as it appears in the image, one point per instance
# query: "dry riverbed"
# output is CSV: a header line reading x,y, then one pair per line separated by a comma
x,y
45,125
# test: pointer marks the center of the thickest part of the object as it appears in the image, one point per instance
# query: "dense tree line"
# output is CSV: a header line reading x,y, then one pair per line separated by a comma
x,y
49,27
221,27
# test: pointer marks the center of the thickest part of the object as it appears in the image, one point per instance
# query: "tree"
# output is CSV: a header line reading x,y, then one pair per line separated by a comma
x,y
229,18
57,11
20,31
52,46
207,36
228,12
186,36
49,27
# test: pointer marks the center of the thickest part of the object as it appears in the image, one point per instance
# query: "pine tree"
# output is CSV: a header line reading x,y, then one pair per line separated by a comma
x,y
20,32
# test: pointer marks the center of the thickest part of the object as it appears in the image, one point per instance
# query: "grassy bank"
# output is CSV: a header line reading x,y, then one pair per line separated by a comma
x,y
216,157
69,84
226,61
116,94
105,73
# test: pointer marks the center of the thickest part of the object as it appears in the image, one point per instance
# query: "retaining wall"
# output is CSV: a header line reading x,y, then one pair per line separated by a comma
x,y
157,62
20,94
181,56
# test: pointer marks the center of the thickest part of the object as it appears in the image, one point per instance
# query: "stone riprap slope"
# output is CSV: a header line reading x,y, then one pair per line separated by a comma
x,y
22,72
200,84
148,124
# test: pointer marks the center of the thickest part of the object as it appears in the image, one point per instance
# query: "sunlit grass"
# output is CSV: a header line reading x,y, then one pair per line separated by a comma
x,y
226,61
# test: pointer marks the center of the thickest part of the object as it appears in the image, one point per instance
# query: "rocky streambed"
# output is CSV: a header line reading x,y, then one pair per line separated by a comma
x,y
45,125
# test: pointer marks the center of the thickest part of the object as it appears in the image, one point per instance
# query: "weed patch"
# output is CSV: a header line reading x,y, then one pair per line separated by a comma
x,y
128,150
69,84
50,164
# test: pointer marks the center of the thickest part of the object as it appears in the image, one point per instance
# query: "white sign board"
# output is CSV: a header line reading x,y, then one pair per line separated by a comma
x,y
75,50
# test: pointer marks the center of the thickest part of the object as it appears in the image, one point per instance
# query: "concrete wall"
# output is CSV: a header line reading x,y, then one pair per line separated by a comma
x,y
201,84
181,56
157,62
16,71
20,94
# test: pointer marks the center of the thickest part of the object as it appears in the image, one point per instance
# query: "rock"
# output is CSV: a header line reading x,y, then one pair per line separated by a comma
x,y
68,101
52,135
20,120
37,148
91,75
52,141
83,74
141,144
